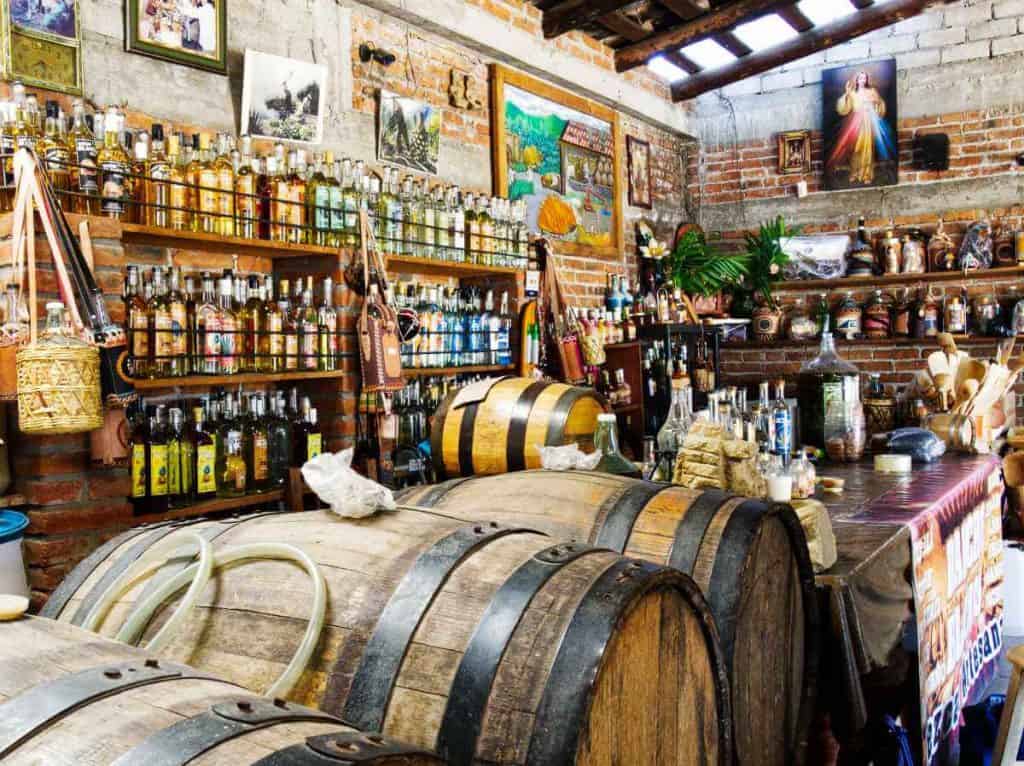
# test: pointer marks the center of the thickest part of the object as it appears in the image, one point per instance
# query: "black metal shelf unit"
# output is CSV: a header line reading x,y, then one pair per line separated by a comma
x,y
671,334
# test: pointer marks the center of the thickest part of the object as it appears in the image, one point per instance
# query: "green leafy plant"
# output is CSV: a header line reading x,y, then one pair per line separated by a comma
x,y
766,256
697,268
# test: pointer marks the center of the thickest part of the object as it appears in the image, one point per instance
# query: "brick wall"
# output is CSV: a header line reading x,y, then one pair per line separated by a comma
x,y
74,505
958,71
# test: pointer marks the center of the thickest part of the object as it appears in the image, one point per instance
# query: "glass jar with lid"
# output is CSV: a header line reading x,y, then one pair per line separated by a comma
x,y
801,325
849,317
804,475
877,316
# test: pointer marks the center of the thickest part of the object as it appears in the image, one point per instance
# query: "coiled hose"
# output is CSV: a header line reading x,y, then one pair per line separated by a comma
x,y
198,575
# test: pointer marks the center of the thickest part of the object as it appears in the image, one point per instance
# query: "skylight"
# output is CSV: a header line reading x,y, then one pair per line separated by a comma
x,y
824,11
665,69
707,54
765,32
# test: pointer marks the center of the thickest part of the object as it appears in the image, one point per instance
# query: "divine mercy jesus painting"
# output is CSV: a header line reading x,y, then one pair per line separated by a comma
x,y
859,126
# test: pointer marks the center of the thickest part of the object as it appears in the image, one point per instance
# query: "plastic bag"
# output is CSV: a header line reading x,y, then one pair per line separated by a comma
x,y
818,257
921,444
568,457
348,494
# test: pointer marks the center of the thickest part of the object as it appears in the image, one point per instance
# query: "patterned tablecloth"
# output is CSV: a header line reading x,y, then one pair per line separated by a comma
x,y
914,600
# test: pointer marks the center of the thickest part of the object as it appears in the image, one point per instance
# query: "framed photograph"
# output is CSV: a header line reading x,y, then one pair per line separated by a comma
x,y
638,154
794,151
409,133
282,98
859,125
561,153
42,43
190,32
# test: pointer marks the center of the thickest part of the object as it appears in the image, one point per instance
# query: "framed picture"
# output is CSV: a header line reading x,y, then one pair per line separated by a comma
x,y
282,98
794,151
859,125
409,133
42,43
638,154
561,153
190,32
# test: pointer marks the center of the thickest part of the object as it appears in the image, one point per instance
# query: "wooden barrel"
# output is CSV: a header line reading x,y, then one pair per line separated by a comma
x,y
749,558
485,643
71,698
505,431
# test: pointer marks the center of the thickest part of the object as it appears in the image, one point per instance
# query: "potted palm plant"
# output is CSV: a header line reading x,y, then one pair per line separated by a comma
x,y
701,270
767,260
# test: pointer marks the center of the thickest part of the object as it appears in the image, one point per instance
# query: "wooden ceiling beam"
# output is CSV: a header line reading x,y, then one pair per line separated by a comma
x,y
682,61
733,44
825,36
721,19
686,9
572,14
624,26
795,18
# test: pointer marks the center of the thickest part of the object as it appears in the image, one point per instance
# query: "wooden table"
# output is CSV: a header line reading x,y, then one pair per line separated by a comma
x,y
871,643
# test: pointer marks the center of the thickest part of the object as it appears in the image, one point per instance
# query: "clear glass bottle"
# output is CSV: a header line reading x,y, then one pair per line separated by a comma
x,y
246,193
232,472
83,176
828,395
677,424
113,166
606,441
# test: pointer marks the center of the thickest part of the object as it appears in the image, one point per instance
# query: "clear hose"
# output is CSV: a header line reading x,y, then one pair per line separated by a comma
x,y
145,567
283,685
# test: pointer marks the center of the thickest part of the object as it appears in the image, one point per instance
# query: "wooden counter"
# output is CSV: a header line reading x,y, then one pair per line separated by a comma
x,y
884,619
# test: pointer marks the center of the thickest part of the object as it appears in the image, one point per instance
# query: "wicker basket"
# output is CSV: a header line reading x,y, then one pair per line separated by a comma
x,y
59,390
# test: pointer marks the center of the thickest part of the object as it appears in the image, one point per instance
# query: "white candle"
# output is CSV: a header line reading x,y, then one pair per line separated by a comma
x,y
780,487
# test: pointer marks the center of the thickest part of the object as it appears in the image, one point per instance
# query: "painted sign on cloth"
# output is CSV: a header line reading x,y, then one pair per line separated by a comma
x,y
958,576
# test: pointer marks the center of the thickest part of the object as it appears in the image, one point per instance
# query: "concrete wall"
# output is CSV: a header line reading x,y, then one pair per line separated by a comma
x,y
958,73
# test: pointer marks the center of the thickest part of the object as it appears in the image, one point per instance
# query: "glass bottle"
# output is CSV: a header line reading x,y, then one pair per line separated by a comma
x,y
204,454
139,424
442,225
224,172
485,223
297,197
457,226
677,424
137,315
175,430
849,317
179,187
271,341
83,175
290,329
257,441
208,326
229,330
251,321
53,150
781,423
279,443
318,203
161,331
606,441
246,193
203,172
279,193
346,224
327,329
157,460
306,320
828,395
178,364
232,473
113,168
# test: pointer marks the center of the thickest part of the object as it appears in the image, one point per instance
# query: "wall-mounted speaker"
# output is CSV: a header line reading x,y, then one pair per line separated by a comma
x,y
931,152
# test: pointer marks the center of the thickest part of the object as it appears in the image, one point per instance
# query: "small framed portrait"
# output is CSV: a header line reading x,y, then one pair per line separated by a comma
x,y
409,133
283,98
794,152
638,154
190,32
42,43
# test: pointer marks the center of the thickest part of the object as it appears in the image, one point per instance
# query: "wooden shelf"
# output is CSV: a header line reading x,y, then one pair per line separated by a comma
x,y
627,409
902,280
219,505
408,264
11,501
196,240
204,381
425,372
813,343
623,346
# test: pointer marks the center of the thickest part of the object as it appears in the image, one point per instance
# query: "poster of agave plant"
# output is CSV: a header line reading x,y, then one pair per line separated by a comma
x,y
283,98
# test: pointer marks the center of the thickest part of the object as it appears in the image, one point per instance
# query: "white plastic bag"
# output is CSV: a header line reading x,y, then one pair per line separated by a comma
x,y
568,457
348,494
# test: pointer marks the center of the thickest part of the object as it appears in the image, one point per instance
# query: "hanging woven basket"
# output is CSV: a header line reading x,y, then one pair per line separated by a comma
x,y
59,390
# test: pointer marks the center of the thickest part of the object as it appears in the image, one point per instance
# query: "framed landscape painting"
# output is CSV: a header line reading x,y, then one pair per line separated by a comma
x,y
282,98
859,125
190,32
409,133
561,154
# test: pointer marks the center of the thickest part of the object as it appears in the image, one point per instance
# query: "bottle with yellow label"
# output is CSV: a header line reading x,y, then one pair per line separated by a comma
x,y
307,438
175,430
157,467
140,434
204,449
232,474
179,186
